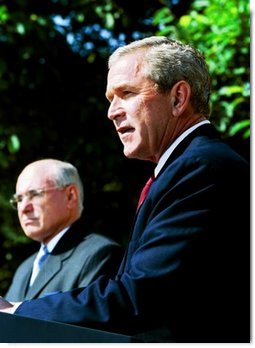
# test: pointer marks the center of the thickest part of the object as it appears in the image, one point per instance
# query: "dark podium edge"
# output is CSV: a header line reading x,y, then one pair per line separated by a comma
x,y
19,329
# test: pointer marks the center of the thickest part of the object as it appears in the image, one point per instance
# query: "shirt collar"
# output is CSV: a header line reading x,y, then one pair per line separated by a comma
x,y
53,242
172,147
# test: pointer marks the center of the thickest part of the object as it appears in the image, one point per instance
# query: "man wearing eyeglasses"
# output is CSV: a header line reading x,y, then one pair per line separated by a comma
x,y
185,274
49,202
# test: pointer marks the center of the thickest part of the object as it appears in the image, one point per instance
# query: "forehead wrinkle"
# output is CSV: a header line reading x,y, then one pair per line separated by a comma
x,y
124,69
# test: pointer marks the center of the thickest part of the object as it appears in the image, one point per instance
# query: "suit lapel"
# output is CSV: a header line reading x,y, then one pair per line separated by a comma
x,y
51,267
54,262
24,285
204,130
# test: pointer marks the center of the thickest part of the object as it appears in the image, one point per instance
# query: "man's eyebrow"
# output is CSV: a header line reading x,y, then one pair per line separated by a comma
x,y
116,88
121,85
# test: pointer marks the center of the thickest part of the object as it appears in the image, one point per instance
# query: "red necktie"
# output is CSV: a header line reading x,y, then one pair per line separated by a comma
x,y
144,192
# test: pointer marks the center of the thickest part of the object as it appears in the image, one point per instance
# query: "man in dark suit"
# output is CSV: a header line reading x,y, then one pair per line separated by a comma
x,y
185,273
49,201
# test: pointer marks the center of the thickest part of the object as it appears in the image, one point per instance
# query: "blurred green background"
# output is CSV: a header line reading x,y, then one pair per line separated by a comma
x,y
53,67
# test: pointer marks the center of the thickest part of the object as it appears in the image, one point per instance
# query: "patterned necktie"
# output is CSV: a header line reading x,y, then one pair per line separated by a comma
x,y
39,263
144,192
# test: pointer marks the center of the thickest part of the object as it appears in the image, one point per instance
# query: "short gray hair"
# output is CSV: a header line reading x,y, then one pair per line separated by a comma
x,y
65,173
169,61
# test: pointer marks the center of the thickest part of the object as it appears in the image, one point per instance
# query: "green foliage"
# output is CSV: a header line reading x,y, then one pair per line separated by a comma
x,y
53,68
220,29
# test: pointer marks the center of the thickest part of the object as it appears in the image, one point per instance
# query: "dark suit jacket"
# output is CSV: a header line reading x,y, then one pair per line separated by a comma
x,y
76,261
185,275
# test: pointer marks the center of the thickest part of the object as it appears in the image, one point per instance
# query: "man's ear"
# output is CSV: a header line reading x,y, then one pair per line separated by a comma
x,y
72,195
180,97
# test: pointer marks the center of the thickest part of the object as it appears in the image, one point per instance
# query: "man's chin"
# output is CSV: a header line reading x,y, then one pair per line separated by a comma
x,y
33,234
136,155
129,153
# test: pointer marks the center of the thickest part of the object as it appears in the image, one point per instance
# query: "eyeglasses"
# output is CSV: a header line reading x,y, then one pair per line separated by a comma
x,y
32,195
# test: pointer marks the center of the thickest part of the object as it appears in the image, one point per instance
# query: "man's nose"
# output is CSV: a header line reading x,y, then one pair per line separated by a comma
x,y
25,205
115,110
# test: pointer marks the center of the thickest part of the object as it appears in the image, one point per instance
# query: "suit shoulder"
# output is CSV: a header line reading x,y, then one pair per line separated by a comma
x,y
210,153
28,261
97,239
96,246
25,265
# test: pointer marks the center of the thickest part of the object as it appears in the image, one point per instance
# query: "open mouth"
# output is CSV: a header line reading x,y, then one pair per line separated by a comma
x,y
125,130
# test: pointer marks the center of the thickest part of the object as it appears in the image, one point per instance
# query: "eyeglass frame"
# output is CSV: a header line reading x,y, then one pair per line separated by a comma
x,y
31,194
